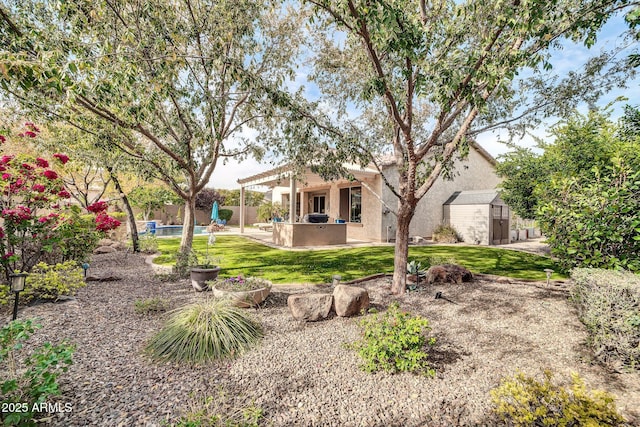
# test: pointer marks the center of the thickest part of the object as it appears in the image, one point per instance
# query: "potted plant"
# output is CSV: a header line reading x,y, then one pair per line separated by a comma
x,y
243,291
203,271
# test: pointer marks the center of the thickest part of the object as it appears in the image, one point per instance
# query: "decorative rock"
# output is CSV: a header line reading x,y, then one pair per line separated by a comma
x,y
448,273
349,300
106,242
310,307
104,250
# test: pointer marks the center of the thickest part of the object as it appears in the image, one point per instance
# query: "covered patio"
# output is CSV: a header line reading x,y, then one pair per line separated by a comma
x,y
340,201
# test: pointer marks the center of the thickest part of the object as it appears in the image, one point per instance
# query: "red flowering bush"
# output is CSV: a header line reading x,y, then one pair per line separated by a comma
x,y
37,224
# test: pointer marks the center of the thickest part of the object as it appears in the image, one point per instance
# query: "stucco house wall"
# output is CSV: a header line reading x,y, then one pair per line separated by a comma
x,y
476,172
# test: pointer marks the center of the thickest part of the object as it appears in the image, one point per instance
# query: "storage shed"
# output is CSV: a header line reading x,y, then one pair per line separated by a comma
x,y
480,216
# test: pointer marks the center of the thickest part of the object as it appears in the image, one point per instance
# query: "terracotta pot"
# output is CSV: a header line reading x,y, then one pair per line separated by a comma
x,y
201,275
244,299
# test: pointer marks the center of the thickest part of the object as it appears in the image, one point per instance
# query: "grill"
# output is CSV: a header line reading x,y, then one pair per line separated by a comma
x,y
315,218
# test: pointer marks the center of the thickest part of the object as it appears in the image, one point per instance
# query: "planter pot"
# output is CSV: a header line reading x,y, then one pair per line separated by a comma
x,y
244,299
201,275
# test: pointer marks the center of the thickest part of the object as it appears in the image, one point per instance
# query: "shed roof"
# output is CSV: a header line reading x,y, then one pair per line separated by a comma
x,y
475,197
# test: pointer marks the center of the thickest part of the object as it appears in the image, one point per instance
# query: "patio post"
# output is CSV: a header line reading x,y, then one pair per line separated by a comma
x,y
292,199
241,209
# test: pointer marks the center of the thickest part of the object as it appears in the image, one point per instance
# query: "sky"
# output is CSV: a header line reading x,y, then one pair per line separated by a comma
x,y
570,58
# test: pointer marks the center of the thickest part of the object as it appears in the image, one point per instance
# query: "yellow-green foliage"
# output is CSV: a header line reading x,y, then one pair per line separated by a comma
x,y
524,401
48,282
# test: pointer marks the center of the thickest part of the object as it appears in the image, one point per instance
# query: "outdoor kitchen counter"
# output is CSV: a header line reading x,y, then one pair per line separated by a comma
x,y
309,234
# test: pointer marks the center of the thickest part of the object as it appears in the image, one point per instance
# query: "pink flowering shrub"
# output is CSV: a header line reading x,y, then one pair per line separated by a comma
x,y
39,223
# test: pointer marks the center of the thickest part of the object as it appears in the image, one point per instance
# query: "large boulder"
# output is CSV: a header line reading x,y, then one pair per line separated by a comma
x,y
349,300
448,273
310,307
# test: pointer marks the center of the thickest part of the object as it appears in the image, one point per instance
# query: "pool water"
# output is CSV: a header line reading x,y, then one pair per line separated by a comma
x,y
175,230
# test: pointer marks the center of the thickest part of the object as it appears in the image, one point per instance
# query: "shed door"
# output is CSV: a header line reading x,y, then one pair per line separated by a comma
x,y
500,225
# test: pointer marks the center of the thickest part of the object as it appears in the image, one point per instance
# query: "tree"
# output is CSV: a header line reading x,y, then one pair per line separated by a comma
x,y
175,80
251,198
521,170
149,198
584,193
206,197
421,74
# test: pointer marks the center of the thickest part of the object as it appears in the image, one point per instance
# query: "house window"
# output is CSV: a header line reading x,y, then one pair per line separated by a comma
x,y
355,208
351,204
318,204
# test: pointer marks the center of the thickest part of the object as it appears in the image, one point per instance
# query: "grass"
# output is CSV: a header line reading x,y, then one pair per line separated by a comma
x,y
240,255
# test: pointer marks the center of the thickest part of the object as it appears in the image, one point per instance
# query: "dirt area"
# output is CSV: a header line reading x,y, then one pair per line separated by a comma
x,y
302,374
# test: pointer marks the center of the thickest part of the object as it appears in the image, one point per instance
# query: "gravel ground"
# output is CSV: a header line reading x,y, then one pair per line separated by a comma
x,y
301,374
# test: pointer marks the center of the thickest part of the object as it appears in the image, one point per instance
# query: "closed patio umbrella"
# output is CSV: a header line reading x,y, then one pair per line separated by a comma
x,y
214,211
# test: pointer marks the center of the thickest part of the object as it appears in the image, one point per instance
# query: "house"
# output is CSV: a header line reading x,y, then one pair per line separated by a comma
x,y
365,203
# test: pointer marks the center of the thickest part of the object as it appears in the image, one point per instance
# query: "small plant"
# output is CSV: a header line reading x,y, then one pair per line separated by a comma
x,y
151,305
148,243
240,283
184,262
446,234
607,303
32,381
204,332
394,341
48,282
415,268
524,401
219,411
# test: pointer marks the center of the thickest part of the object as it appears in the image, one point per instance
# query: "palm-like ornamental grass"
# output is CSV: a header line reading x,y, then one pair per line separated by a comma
x,y
204,332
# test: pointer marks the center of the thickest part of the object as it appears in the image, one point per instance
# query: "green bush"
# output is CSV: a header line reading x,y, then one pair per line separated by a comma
x,y
446,234
394,341
204,332
524,401
608,304
148,243
595,224
151,305
79,238
219,412
225,214
25,384
48,282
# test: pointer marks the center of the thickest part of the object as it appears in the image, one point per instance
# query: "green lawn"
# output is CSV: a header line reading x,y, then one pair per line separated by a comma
x,y
247,257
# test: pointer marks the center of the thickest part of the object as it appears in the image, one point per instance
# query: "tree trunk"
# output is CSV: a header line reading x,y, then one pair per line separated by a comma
x,y
188,225
133,228
405,215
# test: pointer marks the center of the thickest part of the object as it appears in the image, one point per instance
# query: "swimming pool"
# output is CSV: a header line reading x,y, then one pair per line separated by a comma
x,y
174,230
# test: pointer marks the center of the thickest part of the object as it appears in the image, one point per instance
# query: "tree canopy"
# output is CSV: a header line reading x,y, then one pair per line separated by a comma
x,y
583,190
173,80
416,80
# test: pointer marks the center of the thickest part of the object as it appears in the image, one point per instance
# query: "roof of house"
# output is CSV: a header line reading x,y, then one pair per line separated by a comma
x,y
474,197
389,159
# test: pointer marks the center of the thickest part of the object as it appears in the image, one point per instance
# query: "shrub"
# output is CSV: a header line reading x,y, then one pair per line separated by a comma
x,y
48,282
148,243
394,342
32,381
595,224
446,234
151,305
608,304
78,238
225,214
204,332
524,401
219,412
